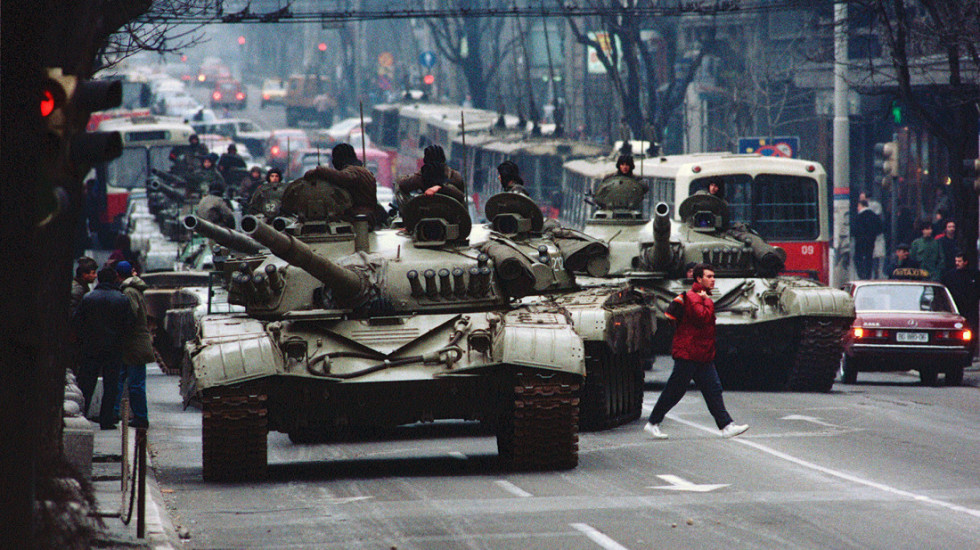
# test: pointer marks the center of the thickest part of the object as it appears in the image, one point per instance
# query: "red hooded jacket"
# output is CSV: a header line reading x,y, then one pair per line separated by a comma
x,y
694,337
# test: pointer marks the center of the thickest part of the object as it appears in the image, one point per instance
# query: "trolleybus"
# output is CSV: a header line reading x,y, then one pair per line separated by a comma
x,y
784,200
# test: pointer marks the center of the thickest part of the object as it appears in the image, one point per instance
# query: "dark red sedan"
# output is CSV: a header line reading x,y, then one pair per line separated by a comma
x,y
906,325
228,93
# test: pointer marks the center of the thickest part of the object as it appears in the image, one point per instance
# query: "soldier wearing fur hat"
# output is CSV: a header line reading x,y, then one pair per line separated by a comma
x,y
347,173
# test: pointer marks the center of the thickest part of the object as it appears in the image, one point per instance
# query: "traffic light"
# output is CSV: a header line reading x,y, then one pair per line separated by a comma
x,y
886,161
66,103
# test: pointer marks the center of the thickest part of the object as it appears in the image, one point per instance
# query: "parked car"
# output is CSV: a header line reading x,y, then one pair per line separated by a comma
x,y
273,91
218,145
906,325
229,93
242,130
340,131
285,149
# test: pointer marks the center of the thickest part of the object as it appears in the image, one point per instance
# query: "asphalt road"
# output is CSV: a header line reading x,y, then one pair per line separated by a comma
x,y
886,463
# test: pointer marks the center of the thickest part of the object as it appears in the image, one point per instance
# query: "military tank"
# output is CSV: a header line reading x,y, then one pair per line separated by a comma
x,y
773,332
348,329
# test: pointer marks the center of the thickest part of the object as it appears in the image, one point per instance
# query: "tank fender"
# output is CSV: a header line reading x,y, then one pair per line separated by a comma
x,y
816,301
231,350
538,339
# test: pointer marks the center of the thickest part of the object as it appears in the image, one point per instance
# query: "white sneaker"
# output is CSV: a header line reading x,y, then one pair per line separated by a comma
x,y
733,429
654,431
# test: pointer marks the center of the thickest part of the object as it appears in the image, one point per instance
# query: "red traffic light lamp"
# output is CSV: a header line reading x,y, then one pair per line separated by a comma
x,y
428,79
322,46
241,40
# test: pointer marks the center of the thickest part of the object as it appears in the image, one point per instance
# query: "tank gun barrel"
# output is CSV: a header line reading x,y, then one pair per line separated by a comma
x,y
345,284
769,259
170,191
222,235
167,176
658,257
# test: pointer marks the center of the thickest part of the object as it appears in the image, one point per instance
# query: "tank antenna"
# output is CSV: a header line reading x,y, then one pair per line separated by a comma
x,y
462,135
363,136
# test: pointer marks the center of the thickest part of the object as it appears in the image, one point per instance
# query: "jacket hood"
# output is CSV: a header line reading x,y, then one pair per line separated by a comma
x,y
135,282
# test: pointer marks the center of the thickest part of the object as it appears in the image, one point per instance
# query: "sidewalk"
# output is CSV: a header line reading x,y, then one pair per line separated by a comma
x,y
106,478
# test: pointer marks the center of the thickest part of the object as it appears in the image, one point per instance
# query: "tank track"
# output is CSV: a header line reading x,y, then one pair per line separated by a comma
x,y
539,429
817,358
234,434
613,391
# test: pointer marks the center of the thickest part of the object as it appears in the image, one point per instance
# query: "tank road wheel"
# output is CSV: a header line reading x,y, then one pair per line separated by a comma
x,y
538,428
818,356
613,390
234,434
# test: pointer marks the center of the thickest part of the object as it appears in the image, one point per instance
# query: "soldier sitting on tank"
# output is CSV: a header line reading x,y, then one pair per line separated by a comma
x,y
215,208
205,176
266,200
435,177
510,177
343,192
185,158
621,189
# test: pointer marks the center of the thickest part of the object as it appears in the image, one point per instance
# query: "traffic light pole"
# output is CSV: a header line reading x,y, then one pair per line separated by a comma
x,y
840,257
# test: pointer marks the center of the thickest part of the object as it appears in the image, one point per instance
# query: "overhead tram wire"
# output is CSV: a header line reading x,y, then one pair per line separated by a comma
x,y
285,15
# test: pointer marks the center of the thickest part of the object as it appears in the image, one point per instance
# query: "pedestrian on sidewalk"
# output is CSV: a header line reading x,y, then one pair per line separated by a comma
x,y
928,252
101,321
693,351
963,283
137,347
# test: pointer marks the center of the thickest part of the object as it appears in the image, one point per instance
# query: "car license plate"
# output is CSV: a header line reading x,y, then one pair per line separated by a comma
x,y
913,337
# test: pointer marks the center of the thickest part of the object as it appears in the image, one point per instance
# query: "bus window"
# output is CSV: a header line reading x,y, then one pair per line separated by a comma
x,y
785,207
778,206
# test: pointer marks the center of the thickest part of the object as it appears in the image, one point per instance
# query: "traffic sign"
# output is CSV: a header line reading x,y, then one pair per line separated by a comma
x,y
427,59
785,146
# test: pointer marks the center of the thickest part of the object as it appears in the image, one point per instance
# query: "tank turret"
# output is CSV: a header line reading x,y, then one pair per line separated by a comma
x,y
346,285
225,237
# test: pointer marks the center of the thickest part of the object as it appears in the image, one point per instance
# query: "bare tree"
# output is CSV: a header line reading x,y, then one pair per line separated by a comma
x,y
932,67
758,95
475,44
41,508
649,96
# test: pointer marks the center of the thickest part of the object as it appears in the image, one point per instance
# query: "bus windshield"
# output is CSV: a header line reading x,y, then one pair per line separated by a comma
x,y
131,170
778,206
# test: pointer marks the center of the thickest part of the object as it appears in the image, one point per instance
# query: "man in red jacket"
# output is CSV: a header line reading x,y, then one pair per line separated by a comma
x,y
693,351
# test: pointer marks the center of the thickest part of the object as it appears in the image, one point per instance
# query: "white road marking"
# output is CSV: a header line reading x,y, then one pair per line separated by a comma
x,y
458,455
681,484
836,473
597,536
810,419
512,489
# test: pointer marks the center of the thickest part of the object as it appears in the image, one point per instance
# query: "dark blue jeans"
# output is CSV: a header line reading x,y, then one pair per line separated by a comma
x,y
88,375
136,375
706,377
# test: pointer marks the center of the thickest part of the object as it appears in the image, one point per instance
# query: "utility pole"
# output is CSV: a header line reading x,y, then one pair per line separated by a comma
x,y
840,257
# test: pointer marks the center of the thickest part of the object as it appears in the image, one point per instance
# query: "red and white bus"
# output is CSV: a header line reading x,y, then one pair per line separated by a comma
x,y
784,200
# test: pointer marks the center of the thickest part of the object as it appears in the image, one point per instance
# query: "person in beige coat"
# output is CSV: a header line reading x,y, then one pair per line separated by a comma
x,y
137,349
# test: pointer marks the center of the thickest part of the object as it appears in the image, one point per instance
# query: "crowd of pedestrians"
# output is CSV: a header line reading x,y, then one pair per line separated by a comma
x,y
111,338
